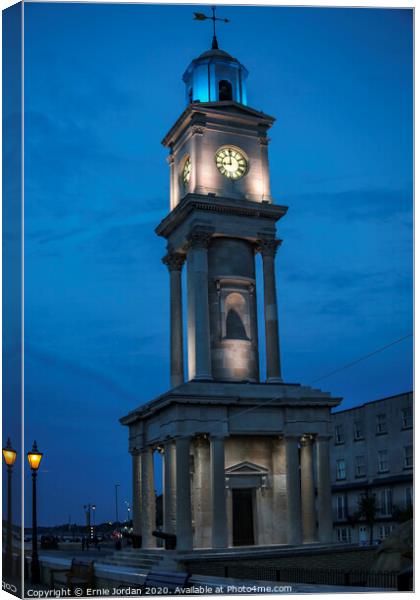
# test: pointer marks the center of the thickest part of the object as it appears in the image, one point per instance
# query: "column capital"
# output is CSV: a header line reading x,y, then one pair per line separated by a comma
x,y
135,452
306,440
174,261
199,238
264,140
196,129
267,246
170,158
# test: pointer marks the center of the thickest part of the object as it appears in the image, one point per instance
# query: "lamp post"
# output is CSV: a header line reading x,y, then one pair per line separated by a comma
x,y
117,485
9,456
34,459
126,502
94,521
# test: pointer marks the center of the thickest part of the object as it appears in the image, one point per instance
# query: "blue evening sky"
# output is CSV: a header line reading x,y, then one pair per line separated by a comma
x,y
102,87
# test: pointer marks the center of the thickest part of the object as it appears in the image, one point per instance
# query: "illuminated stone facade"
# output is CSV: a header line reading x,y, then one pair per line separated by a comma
x,y
245,455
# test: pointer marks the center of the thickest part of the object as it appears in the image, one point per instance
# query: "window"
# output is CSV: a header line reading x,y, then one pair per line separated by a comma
x,y
339,434
385,502
381,424
343,535
408,457
341,505
407,418
384,531
358,430
383,461
360,466
236,317
225,90
341,469
408,497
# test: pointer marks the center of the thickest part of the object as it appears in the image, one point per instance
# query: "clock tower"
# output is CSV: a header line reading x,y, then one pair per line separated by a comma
x,y
222,214
245,454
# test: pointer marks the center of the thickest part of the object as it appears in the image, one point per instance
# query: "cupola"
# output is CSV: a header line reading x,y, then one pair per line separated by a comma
x,y
215,76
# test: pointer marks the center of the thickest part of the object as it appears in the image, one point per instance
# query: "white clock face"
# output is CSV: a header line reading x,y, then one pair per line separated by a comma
x,y
186,171
231,162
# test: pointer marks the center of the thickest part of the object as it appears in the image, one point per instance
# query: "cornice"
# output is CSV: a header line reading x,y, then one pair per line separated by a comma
x,y
201,112
218,204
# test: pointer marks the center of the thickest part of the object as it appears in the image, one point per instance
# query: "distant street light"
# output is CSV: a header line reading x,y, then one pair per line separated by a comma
x,y
34,459
9,456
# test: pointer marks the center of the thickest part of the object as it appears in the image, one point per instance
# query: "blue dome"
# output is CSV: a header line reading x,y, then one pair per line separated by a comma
x,y
215,76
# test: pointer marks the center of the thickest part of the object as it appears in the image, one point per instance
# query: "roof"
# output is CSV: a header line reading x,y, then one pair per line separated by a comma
x,y
216,53
339,412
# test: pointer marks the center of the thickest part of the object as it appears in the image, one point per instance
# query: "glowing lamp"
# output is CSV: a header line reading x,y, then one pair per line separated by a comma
x,y
34,457
9,454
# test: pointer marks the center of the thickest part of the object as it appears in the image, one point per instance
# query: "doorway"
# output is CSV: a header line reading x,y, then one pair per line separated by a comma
x,y
242,517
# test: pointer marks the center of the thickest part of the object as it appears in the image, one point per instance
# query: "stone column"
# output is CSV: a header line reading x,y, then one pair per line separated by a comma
x,y
268,248
174,262
218,489
294,524
266,194
254,329
279,487
199,355
202,494
324,489
136,463
148,501
169,491
183,500
173,188
307,490
196,163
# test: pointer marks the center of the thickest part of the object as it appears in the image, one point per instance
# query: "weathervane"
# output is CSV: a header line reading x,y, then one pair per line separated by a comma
x,y
203,17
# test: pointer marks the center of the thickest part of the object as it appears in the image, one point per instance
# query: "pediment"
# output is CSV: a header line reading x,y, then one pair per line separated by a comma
x,y
246,468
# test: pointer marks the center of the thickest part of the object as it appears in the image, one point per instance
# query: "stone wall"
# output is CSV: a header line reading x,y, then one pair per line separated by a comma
x,y
347,559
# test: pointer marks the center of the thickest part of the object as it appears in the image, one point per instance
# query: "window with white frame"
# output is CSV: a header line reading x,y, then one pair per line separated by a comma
x,y
385,508
341,507
339,434
358,430
407,417
383,465
341,469
384,531
381,426
343,535
360,466
408,497
408,457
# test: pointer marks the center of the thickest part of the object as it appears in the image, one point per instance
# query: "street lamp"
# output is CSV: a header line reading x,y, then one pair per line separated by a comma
x,y
9,456
94,522
126,502
117,485
34,459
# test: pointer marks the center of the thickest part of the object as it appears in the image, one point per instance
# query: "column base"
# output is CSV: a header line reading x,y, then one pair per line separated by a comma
x,y
274,380
203,378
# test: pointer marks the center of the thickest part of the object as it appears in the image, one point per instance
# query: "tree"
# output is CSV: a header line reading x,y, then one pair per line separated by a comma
x,y
367,510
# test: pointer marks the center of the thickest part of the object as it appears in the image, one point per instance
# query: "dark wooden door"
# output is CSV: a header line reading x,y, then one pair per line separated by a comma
x,y
242,517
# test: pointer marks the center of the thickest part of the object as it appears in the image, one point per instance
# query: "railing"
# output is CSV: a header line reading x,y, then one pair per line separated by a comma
x,y
354,577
